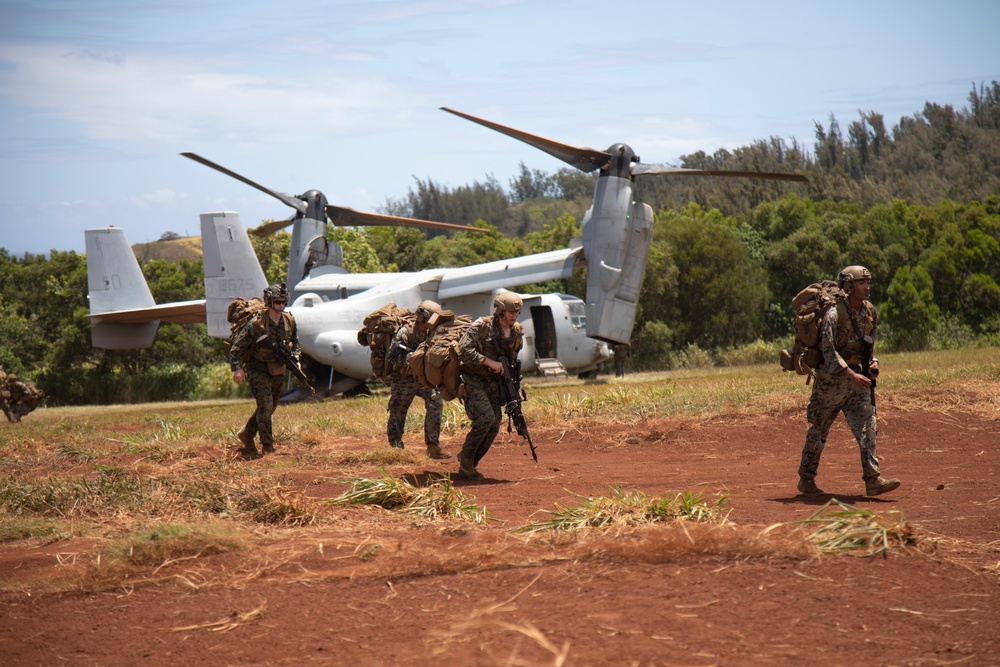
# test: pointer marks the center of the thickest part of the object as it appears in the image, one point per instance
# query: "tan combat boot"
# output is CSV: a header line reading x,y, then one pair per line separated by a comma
x,y
807,487
466,469
435,452
880,485
249,448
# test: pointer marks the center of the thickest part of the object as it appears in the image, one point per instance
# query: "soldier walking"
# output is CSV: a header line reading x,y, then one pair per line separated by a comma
x,y
480,347
404,387
18,398
622,352
847,340
252,358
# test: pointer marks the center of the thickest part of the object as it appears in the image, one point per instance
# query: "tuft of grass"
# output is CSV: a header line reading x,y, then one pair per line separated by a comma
x,y
171,542
75,453
260,500
439,499
113,490
847,529
631,508
23,528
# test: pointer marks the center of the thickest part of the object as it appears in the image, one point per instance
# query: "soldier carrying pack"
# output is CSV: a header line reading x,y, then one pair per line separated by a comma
x,y
809,306
240,312
436,361
377,333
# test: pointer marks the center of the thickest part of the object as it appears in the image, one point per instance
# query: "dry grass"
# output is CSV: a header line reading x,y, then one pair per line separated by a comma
x,y
95,479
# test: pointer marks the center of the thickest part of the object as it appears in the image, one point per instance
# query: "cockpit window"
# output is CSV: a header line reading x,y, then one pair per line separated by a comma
x,y
577,315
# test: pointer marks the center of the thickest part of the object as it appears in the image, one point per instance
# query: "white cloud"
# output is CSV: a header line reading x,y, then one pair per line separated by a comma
x,y
160,98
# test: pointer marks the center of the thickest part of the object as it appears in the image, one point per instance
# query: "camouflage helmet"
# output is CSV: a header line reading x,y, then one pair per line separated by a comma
x,y
507,302
276,291
426,309
847,277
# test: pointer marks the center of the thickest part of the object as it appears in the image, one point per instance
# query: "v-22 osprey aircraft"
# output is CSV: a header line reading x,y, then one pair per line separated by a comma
x,y
329,303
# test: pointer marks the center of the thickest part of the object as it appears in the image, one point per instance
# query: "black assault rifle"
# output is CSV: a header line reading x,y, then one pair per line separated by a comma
x,y
515,395
284,354
867,354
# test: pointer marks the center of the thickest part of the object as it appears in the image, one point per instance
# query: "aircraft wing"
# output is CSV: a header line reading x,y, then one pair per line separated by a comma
x,y
507,273
338,282
181,312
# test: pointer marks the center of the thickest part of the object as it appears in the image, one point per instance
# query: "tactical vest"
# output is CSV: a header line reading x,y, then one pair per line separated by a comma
x,y
849,341
493,344
264,328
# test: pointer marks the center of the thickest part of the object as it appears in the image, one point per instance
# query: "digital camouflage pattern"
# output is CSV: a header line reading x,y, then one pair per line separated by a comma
x,y
266,377
404,387
833,392
18,398
483,388
401,395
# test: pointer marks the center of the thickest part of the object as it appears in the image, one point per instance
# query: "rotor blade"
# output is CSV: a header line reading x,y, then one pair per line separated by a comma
x,y
348,217
584,159
273,226
645,169
298,205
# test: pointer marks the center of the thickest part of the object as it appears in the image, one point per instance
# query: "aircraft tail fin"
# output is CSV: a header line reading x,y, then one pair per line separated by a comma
x,y
115,283
231,268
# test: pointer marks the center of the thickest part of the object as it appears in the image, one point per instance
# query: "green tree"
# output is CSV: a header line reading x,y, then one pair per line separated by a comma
x,y
909,310
981,300
721,293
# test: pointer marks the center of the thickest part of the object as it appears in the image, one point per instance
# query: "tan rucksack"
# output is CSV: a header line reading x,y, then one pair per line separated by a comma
x,y
378,331
240,312
809,306
436,361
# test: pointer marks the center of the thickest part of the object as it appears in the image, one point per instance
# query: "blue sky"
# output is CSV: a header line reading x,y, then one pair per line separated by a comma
x,y
98,98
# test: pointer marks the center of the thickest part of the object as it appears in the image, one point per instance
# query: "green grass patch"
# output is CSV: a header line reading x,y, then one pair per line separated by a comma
x,y
24,528
171,542
631,508
845,529
439,499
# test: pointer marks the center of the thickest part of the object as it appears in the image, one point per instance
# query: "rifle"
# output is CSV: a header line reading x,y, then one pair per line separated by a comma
x,y
515,395
867,354
284,354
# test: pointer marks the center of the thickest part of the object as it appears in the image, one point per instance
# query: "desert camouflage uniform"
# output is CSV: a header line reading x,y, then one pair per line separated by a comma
x,y
484,390
265,386
403,388
833,392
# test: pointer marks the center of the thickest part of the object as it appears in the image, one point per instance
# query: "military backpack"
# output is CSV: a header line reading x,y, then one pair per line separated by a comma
x,y
242,311
808,307
377,333
436,362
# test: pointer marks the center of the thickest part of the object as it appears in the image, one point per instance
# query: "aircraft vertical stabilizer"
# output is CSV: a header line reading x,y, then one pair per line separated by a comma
x,y
116,283
231,268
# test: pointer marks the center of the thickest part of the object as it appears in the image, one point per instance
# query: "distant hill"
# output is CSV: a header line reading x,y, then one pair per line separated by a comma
x,y
173,251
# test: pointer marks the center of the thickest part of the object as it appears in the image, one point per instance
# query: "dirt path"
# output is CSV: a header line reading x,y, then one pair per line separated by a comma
x,y
934,604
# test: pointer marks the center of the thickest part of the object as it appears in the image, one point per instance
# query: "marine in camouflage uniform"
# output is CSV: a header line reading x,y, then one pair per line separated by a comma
x,y
480,347
622,352
18,398
266,376
404,387
847,332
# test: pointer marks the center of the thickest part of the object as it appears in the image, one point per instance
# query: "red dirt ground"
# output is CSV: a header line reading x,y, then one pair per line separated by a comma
x,y
937,603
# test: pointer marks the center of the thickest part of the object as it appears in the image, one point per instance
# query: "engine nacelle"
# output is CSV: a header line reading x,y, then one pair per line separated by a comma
x,y
617,232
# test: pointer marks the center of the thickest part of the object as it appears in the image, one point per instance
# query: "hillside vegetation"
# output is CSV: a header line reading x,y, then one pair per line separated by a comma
x,y
917,204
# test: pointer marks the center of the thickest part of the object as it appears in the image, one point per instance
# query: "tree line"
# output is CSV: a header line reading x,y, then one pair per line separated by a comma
x,y
918,206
